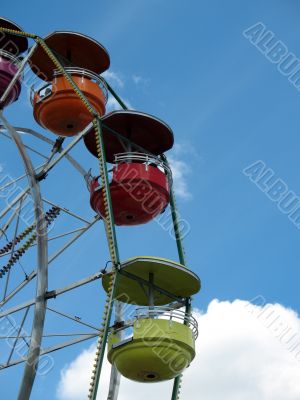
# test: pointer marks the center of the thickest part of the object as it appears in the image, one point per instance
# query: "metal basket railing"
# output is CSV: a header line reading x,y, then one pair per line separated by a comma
x,y
170,314
143,158
85,73
46,89
43,92
11,57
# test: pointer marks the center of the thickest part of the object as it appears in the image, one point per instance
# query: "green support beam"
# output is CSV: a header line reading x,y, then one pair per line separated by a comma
x,y
182,259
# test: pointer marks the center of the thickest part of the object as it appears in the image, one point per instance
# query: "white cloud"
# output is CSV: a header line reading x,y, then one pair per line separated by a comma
x,y
113,105
181,169
113,78
137,79
242,354
74,377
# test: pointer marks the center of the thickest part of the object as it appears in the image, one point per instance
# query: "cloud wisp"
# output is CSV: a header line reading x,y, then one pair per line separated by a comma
x,y
181,169
114,78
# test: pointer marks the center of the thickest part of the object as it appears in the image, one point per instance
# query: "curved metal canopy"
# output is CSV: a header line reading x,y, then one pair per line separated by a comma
x,y
72,49
12,43
145,130
168,276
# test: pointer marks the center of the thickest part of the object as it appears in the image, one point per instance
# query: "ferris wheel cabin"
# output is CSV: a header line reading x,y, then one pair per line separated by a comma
x,y
56,106
140,185
11,47
162,340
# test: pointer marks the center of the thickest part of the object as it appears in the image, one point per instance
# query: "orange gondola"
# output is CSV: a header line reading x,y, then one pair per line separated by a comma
x,y
56,105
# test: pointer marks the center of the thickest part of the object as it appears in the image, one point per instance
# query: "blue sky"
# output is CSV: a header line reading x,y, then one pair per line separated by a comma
x,y
189,64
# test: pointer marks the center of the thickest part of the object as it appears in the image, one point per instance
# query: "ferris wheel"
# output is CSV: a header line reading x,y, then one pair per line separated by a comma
x,y
152,335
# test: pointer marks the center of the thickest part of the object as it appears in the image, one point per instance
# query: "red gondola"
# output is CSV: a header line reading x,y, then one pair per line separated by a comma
x,y
139,189
140,185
